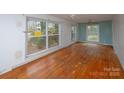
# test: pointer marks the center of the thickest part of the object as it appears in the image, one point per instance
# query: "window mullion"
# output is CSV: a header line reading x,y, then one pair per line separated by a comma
x,y
46,34
59,35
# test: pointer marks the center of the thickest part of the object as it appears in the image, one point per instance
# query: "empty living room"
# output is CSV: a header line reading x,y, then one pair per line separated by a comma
x,y
62,46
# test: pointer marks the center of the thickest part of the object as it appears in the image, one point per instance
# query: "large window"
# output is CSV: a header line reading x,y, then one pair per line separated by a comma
x,y
36,35
93,33
53,34
39,37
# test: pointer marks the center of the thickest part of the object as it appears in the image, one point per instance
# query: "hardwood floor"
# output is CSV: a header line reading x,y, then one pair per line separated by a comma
x,y
81,60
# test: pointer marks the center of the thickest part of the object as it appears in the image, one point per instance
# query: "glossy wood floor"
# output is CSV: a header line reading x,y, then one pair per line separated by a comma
x,y
81,60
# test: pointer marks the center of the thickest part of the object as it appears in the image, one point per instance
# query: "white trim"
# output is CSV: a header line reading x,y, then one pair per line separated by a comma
x,y
60,35
35,18
5,71
122,66
46,35
95,43
26,38
37,53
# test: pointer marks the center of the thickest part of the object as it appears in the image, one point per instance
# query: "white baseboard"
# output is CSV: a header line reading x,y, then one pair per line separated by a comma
x,y
122,62
123,66
117,52
96,43
5,71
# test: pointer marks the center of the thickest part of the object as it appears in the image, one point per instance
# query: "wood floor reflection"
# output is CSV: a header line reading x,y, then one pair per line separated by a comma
x,y
78,61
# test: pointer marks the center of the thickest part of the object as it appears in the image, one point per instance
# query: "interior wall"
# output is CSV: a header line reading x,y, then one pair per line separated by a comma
x,y
12,39
82,32
118,36
105,32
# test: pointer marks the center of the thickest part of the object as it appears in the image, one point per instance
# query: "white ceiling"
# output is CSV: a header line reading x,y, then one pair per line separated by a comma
x,y
83,18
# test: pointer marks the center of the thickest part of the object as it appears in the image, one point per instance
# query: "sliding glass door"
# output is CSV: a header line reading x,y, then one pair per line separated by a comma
x,y
41,35
93,33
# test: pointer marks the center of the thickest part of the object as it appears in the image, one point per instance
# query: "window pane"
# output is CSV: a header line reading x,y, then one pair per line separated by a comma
x,y
36,44
43,27
53,41
36,26
31,27
53,28
36,36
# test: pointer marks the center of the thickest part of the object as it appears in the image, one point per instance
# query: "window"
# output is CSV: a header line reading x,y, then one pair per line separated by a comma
x,y
39,37
36,35
73,33
53,34
93,33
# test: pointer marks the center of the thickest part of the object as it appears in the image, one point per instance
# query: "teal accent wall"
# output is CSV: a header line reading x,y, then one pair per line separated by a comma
x,y
105,33
82,32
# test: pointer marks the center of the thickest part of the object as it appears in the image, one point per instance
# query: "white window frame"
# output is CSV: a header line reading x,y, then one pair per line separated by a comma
x,y
59,33
46,35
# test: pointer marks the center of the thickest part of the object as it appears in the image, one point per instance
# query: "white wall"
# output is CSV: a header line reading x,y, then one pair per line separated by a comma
x,y
12,39
118,36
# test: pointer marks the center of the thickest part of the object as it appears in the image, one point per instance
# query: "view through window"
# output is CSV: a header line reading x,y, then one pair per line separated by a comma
x,y
53,34
38,37
93,33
